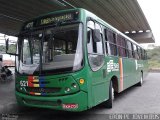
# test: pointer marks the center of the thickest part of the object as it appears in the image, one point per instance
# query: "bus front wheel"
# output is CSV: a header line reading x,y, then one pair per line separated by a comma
x,y
109,102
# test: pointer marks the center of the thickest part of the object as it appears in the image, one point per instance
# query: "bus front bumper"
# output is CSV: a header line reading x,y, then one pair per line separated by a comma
x,y
74,102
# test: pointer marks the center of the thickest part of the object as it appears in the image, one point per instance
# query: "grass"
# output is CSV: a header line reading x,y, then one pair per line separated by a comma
x,y
154,64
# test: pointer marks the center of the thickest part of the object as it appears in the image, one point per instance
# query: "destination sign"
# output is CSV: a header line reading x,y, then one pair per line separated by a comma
x,y
54,19
51,19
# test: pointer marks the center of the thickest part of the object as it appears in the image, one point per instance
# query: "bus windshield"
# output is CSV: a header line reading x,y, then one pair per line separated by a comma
x,y
53,50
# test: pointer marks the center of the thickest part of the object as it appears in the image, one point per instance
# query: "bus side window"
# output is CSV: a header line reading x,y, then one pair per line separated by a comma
x,y
129,47
111,39
121,43
146,55
139,53
106,41
99,45
142,53
135,52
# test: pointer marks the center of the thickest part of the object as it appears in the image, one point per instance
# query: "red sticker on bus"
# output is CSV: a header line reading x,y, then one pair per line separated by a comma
x,y
70,106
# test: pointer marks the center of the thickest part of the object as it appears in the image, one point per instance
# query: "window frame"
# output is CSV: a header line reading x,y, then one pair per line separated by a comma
x,y
109,43
103,47
120,46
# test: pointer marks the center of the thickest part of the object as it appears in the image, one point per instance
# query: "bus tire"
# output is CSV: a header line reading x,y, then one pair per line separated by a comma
x,y
141,81
109,102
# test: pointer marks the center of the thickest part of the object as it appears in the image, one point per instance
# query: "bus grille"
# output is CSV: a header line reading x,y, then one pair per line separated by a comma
x,y
42,103
43,90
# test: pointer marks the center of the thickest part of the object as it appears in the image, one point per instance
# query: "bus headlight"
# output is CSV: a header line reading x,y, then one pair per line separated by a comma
x,y
74,85
67,89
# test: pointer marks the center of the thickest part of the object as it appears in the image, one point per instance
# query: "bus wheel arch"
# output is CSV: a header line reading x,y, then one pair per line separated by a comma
x,y
113,86
114,80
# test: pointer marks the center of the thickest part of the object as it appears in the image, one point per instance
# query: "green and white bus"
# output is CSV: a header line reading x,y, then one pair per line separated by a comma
x,y
72,60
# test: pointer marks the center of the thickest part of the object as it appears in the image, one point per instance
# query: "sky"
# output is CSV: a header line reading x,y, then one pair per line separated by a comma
x,y
151,9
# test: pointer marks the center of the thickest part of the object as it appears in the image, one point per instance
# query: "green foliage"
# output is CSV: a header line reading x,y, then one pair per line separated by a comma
x,y
154,57
2,49
12,48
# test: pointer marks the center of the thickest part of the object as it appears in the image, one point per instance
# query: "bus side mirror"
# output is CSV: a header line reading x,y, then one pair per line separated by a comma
x,y
11,46
96,35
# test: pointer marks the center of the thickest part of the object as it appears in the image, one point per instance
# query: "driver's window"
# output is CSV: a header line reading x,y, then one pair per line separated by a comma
x,y
90,27
99,45
95,49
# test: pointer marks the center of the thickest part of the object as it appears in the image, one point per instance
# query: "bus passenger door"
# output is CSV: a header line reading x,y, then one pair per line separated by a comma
x,y
96,62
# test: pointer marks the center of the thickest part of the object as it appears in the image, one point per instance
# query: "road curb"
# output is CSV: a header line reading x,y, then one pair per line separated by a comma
x,y
154,70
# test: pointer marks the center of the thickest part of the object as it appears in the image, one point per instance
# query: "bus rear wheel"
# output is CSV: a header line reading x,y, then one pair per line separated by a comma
x,y
109,102
141,80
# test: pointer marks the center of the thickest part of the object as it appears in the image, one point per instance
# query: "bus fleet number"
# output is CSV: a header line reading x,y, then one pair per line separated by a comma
x,y
23,83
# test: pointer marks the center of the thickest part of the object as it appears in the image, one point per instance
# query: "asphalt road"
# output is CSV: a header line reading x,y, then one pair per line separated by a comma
x,y
145,99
